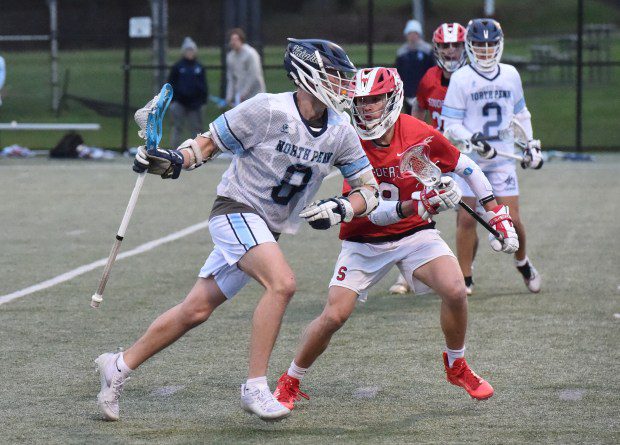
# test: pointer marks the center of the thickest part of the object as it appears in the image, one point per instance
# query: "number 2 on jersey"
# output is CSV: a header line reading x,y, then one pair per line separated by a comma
x,y
295,180
486,128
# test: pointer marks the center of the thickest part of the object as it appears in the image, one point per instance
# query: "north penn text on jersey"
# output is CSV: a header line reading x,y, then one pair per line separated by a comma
x,y
303,153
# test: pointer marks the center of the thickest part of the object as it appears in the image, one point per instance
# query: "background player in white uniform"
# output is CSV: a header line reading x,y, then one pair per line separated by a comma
x,y
283,146
400,232
482,99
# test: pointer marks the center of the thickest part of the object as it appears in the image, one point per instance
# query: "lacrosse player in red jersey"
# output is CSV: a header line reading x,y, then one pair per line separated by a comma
x,y
400,232
449,50
483,99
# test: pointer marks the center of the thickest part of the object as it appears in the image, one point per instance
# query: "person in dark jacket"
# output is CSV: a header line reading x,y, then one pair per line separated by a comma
x,y
189,83
413,59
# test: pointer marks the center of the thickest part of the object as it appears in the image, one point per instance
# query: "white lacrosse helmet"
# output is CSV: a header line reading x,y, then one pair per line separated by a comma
x,y
449,46
376,82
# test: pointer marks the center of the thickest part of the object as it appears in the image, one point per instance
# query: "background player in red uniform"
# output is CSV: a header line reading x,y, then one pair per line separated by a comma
x,y
400,232
449,50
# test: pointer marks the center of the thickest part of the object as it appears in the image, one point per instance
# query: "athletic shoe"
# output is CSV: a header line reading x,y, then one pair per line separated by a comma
x,y
111,386
261,402
469,285
287,392
400,287
461,375
531,277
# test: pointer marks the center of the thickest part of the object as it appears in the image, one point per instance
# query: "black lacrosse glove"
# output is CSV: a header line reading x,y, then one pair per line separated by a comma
x,y
159,161
482,146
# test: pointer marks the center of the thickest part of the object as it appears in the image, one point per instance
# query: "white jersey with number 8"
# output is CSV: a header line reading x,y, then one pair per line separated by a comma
x,y
279,160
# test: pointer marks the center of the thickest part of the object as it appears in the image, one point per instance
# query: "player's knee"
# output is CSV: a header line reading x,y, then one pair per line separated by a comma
x,y
284,287
455,294
196,310
334,319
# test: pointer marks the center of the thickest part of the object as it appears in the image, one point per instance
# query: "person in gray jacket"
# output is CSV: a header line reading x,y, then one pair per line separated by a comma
x,y
244,72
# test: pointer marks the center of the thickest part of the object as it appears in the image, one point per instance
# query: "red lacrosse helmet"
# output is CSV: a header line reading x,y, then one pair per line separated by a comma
x,y
449,46
371,86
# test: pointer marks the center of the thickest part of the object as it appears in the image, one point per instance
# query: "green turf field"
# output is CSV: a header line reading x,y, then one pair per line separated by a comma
x,y
551,357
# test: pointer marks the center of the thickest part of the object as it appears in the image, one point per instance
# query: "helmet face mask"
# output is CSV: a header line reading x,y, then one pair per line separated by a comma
x,y
449,46
378,101
322,69
485,43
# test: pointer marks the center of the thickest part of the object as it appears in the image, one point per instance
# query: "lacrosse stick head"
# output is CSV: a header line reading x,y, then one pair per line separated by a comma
x,y
150,117
518,134
415,162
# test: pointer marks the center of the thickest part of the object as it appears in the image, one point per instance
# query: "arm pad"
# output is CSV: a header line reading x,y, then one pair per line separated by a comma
x,y
476,180
371,197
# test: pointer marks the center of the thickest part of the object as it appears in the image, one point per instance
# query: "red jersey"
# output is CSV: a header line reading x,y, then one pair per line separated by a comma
x,y
385,162
431,93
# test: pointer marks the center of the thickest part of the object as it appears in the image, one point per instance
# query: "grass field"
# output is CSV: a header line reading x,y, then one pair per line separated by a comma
x,y
97,74
551,357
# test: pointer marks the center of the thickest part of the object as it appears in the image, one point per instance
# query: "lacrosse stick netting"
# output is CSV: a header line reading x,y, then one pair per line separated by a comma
x,y
416,163
149,118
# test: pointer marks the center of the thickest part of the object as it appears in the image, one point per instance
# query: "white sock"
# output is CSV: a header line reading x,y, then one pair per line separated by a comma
x,y
522,262
257,382
453,354
117,366
296,371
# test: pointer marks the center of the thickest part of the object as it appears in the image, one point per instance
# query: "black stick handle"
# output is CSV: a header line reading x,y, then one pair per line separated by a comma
x,y
482,222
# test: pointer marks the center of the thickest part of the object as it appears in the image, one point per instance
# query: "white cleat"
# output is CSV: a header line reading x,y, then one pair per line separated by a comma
x,y
111,386
534,281
400,287
262,403
469,289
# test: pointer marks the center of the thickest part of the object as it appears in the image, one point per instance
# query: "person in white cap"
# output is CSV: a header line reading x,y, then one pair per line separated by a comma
x,y
189,83
413,58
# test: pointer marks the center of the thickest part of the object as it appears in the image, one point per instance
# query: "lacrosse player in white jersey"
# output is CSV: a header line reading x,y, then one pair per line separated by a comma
x,y
482,99
283,145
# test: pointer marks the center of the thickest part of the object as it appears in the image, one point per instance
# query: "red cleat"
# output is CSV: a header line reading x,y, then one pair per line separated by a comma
x,y
287,392
461,375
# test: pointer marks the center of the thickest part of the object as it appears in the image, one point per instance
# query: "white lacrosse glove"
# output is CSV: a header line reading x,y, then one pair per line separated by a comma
x,y
532,156
431,201
386,213
500,220
483,147
325,213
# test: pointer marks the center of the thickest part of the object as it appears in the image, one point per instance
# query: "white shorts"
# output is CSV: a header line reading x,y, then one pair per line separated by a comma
x,y
361,265
233,235
504,182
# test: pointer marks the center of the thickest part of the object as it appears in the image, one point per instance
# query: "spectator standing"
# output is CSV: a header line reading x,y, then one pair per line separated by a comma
x,y
413,59
244,72
189,82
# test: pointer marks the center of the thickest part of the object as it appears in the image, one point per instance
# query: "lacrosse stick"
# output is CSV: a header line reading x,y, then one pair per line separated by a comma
x,y
149,118
415,162
514,132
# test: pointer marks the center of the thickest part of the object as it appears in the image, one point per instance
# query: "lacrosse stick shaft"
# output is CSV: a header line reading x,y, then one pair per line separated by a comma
x,y
97,298
482,222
